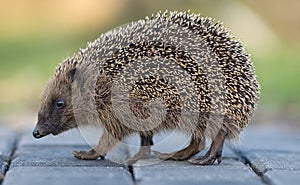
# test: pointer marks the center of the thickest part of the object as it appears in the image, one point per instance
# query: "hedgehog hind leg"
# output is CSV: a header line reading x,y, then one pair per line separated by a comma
x,y
196,145
144,151
215,151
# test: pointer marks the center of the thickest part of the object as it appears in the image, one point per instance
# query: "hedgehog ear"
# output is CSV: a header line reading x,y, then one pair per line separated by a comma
x,y
71,74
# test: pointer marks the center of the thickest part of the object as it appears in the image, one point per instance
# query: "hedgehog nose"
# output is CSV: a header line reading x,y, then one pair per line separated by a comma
x,y
36,133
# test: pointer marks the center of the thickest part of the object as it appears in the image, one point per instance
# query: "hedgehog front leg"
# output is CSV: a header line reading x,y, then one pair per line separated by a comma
x,y
195,146
106,143
215,151
144,151
87,155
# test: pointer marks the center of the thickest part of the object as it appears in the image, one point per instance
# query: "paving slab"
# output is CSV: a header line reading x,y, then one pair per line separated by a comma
x,y
7,141
57,150
263,161
271,138
278,177
273,152
54,156
230,171
67,175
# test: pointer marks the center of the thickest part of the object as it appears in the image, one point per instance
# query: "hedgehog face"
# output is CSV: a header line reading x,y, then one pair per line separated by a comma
x,y
56,113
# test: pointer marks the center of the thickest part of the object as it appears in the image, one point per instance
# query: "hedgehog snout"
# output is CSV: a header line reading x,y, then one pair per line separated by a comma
x,y
39,132
36,133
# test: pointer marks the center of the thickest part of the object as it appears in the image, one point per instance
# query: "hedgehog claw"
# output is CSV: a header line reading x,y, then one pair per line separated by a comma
x,y
219,157
214,153
86,155
206,160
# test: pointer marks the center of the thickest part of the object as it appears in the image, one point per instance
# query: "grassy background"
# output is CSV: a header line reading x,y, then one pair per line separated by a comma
x,y
278,73
29,54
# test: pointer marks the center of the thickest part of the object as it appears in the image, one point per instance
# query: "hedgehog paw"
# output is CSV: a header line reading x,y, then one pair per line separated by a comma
x,y
207,159
176,156
86,155
180,155
192,149
144,153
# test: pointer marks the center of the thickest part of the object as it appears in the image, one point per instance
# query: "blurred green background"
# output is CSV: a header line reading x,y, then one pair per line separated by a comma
x,y
36,35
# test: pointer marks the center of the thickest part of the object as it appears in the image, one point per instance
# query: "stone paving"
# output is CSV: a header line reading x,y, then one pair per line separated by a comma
x,y
265,155
7,145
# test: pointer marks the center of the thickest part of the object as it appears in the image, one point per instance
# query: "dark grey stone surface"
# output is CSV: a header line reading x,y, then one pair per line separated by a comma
x,y
229,171
49,160
273,153
270,138
67,175
57,151
271,160
7,141
54,156
278,177
3,168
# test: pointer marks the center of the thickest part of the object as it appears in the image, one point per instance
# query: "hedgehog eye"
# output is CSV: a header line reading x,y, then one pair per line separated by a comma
x,y
60,103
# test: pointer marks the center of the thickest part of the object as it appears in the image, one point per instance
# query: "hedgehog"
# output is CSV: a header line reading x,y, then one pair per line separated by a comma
x,y
173,71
